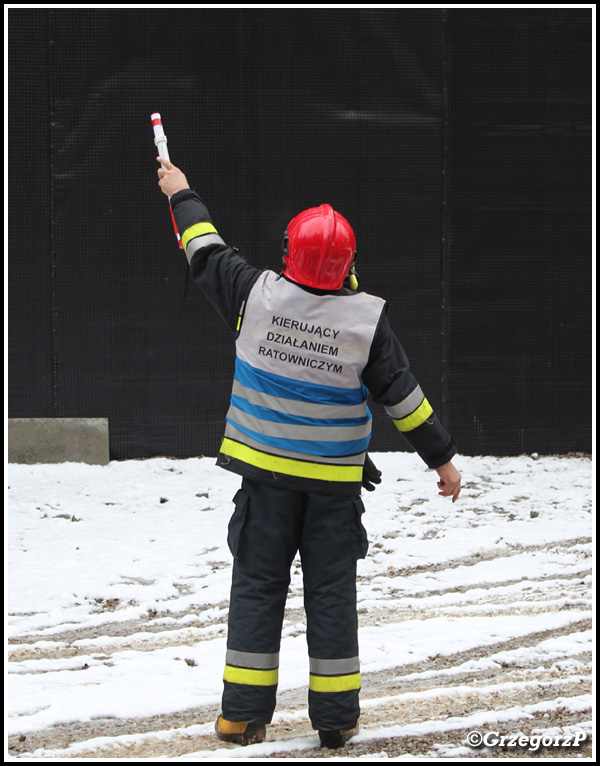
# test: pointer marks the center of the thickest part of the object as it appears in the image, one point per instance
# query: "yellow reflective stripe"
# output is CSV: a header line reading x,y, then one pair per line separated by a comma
x,y
416,418
250,677
334,683
197,230
325,472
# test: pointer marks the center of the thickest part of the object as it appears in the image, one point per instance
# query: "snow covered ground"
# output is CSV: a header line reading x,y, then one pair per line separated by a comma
x,y
473,616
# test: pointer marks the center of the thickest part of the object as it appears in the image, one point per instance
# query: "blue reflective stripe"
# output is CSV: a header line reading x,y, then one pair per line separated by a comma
x,y
289,388
326,449
264,413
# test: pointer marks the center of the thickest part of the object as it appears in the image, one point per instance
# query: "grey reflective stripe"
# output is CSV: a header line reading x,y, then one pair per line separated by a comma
x,y
335,667
252,660
294,407
289,431
406,406
231,432
203,241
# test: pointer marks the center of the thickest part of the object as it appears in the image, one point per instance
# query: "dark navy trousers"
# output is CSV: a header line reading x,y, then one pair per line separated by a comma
x,y
268,527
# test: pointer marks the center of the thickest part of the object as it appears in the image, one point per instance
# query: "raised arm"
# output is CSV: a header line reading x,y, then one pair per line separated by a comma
x,y
223,275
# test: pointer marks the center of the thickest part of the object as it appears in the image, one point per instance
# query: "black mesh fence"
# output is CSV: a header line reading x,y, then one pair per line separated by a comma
x,y
457,143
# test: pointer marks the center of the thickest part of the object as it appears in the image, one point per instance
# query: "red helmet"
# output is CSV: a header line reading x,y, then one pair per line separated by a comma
x,y
318,248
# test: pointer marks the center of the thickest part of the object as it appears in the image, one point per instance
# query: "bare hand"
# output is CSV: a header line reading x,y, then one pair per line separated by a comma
x,y
449,482
171,178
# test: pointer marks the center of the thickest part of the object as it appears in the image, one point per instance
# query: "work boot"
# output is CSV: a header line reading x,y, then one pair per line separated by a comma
x,y
240,732
337,737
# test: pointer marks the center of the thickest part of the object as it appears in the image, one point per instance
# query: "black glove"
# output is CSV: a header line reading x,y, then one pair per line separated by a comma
x,y
371,475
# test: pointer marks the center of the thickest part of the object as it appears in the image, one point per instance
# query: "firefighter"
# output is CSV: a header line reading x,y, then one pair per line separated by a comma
x,y
309,350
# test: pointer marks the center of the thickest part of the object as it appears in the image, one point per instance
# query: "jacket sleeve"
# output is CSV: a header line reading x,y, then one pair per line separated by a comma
x,y
392,384
219,271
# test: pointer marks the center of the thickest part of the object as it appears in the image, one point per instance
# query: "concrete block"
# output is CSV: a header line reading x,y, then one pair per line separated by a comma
x,y
58,440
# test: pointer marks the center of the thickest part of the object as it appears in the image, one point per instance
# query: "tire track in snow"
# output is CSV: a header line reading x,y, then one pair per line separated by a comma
x,y
421,721
429,690
152,624
512,549
384,694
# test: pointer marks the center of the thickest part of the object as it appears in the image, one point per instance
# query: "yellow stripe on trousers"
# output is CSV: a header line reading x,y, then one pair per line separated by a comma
x,y
334,683
326,472
250,677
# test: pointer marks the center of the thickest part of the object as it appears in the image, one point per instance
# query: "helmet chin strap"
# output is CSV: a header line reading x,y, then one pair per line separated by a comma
x,y
285,242
284,248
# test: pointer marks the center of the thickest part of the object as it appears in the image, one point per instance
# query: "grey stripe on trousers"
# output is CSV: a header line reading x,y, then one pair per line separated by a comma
x,y
341,667
252,660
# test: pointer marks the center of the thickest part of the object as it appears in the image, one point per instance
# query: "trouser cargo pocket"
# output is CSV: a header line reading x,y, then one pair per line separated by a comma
x,y
235,530
360,541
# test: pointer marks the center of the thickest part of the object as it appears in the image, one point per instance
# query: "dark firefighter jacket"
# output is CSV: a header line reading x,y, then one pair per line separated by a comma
x,y
306,361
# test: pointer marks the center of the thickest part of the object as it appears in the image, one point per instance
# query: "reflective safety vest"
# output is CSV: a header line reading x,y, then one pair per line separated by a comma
x,y
298,405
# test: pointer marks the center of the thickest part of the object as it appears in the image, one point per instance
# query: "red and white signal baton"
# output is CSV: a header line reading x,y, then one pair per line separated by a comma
x,y
160,141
